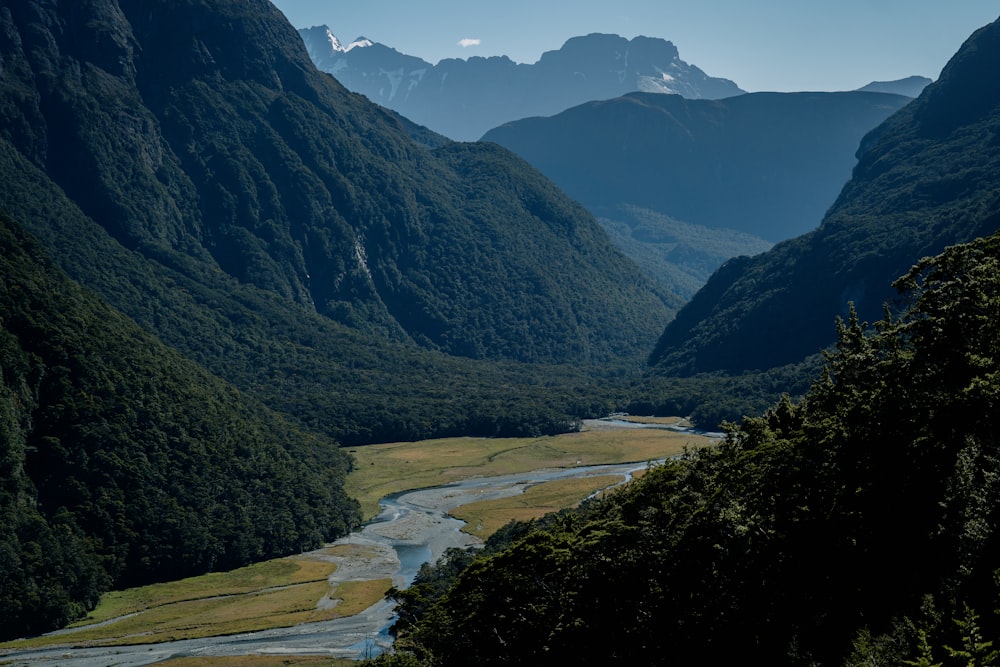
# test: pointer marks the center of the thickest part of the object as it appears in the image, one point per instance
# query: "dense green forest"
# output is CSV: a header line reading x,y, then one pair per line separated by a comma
x,y
296,240
223,266
124,462
857,526
202,133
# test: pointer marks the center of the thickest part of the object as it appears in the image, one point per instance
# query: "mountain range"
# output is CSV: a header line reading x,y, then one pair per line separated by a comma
x,y
683,185
854,523
767,164
926,178
240,159
463,98
220,266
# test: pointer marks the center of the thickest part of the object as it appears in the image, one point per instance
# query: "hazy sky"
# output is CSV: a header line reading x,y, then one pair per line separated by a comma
x,y
780,45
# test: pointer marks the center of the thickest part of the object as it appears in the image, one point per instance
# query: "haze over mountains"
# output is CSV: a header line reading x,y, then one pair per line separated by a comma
x,y
671,179
680,179
463,98
927,178
911,86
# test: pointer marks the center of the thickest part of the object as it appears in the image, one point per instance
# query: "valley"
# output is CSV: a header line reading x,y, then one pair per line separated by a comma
x,y
215,615
269,348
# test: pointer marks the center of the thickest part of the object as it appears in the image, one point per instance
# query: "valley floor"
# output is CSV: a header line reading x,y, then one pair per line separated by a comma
x,y
414,527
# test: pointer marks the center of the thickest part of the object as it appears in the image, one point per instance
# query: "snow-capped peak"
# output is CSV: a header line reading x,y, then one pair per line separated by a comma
x,y
334,42
359,43
338,47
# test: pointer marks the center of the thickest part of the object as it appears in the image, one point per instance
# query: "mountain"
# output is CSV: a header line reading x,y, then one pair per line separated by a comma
x,y
125,462
766,164
462,99
856,526
926,178
911,86
219,265
208,138
680,256
684,185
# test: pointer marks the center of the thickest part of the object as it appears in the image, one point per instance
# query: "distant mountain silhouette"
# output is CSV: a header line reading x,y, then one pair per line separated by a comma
x,y
768,164
927,178
462,99
911,86
684,185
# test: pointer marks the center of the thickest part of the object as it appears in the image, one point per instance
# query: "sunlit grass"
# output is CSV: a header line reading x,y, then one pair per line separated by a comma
x,y
272,594
288,591
393,467
279,572
485,517
259,661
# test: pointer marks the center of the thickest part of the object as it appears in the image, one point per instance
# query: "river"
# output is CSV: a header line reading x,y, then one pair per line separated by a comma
x,y
413,528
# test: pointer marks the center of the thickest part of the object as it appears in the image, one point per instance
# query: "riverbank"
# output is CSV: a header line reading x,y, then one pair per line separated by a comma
x,y
413,527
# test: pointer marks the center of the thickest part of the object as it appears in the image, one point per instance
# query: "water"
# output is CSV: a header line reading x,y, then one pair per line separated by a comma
x,y
411,557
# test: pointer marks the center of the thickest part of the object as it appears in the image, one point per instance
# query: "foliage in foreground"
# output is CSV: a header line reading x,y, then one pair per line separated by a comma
x,y
857,526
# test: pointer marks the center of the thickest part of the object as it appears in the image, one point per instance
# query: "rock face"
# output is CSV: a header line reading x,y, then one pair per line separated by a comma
x,y
926,178
462,99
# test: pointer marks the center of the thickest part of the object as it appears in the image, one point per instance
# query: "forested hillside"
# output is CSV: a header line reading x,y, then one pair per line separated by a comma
x,y
123,462
203,133
926,178
189,200
856,527
187,163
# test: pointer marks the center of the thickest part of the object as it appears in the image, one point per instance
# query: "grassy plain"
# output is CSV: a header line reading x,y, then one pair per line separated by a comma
x,y
272,594
260,661
287,591
389,468
485,517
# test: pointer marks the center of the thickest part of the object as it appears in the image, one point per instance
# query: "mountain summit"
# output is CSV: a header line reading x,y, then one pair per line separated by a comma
x,y
462,99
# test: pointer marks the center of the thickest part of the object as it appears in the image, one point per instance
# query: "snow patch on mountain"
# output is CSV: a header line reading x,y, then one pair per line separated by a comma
x,y
483,93
359,43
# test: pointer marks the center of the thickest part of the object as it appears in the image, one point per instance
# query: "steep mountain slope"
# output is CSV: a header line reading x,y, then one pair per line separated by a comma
x,y
187,166
766,164
463,99
203,134
125,463
926,178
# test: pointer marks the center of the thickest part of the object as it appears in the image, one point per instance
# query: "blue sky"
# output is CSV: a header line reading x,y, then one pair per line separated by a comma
x,y
778,45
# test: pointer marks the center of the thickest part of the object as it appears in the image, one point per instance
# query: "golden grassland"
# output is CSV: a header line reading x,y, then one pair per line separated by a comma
x,y
485,517
250,579
288,591
384,469
272,594
259,661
